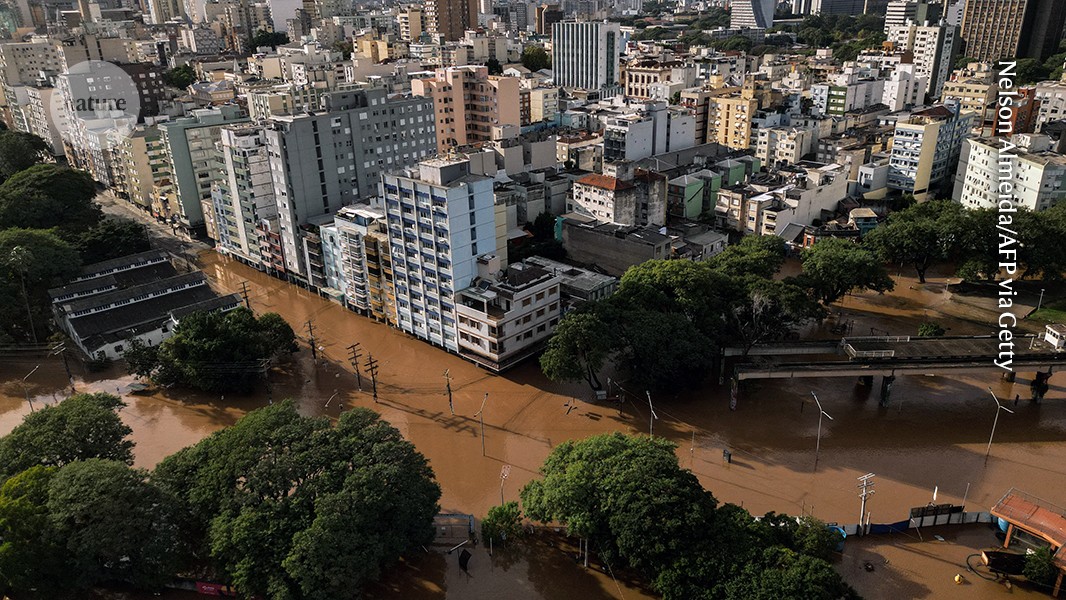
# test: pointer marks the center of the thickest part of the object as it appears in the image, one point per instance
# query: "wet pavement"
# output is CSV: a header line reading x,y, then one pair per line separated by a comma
x,y
933,434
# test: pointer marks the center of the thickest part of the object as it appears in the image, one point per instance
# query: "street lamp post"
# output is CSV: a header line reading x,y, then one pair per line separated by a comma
x,y
481,415
1039,302
652,417
26,390
995,421
818,443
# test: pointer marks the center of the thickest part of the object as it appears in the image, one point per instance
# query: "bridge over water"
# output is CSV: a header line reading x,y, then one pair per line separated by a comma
x,y
889,357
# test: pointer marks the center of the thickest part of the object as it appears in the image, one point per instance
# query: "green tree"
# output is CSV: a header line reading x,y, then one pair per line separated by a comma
x,y
930,329
769,311
535,58
273,39
82,427
216,351
46,196
921,235
783,573
502,523
289,507
610,487
963,61
30,557
1040,567
813,538
112,238
31,262
755,255
1031,70
494,66
19,151
180,77
578,349
833,267
115,524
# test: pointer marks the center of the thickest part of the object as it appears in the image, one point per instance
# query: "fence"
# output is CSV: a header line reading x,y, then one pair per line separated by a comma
x,y
954,518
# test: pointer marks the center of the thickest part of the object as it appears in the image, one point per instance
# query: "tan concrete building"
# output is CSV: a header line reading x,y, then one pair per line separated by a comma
x,y
468,102
729,120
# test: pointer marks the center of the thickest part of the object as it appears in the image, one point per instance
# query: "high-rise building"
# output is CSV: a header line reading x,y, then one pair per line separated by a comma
x,y
547,15
246,195
585,54
933,47
450,18
441,221
926,147
411,22
468,103
193,156
752,13
326,159
899,12
1038,176
1002,29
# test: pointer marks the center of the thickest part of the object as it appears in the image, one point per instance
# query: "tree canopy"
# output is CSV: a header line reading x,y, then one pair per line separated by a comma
x,y
46,196
112,238
288,507
834,267
216,351
610,488
180,77
921,235
31,262
272,39
668,319
535,58
18,151
81,427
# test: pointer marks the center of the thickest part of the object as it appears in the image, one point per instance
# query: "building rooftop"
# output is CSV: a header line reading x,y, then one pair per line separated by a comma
x,y
106,266
605,182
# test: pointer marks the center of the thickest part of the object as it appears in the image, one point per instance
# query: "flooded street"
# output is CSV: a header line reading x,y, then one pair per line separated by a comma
x,y
933,434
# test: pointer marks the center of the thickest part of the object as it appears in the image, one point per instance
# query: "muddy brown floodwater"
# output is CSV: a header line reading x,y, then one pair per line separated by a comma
x,y
934,434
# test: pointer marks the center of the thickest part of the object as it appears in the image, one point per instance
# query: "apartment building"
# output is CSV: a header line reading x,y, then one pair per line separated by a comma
x,y
729,120
450,18
1051,97
191,146
505,319
246,195
777,146
321,161
653,128
468,103
441,219
366,263
1005,29
1037,180
926,147
933,49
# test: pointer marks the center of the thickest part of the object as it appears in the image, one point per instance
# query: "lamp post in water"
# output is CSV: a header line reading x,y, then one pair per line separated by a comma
x,y
818,443
995,421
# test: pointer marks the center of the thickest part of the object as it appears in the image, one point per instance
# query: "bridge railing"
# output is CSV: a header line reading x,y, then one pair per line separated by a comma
x,y
853,353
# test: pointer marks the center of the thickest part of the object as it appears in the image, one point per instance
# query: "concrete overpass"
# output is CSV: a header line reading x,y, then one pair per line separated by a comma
x,y
889,357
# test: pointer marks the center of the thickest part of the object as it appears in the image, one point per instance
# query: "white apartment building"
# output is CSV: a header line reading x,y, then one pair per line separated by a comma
x,y
925,147
1038,178
933,47
1052,98
585,54
441,219
246,195
904,89
778,146
507,319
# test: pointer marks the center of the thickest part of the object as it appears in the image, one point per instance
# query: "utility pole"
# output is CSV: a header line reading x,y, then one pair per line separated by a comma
x,y
26,390
311,336
61,350
244,294
448,385
353,357
481,414
372,368
652,417
995,422
818,443
866,487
